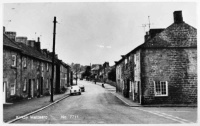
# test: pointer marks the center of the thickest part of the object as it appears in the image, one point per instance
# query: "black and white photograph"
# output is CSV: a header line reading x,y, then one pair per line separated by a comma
x,y
99,62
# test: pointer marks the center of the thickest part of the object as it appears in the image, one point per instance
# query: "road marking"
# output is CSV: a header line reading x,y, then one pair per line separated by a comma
x,y
174,118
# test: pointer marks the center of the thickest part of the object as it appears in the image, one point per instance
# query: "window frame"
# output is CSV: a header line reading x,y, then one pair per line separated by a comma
x,y
14,60
14,90
166,88
25,85
25,62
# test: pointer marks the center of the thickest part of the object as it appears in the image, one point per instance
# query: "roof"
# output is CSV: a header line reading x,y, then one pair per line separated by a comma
x,y
9,43
176,35
31,51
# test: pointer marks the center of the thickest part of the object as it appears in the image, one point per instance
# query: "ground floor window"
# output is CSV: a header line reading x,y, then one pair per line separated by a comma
x,y
130,86
161,88
12,88
25,83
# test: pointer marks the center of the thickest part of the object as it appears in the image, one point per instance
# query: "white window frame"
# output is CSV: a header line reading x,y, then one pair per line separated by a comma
x,y
14,60
12,91
166,87
42,66
25,84
37,82
47,67
130,83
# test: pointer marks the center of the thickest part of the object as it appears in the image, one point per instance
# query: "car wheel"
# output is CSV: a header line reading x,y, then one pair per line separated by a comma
x,y
79,93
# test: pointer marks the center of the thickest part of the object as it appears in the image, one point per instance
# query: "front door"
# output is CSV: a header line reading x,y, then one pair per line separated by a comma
x,y
133,90
29,88
41,86
4,91
139,91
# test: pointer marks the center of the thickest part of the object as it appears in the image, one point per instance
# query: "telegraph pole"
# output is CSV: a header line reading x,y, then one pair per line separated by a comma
x,y
53,55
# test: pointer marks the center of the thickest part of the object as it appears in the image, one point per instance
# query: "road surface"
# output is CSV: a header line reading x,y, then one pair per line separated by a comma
x,y
97,105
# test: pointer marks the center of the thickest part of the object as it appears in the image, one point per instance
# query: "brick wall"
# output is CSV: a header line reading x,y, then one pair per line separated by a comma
x,y
176,66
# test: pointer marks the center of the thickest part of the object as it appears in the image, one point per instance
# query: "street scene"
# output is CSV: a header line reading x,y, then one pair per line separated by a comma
x,y
99,105
100,63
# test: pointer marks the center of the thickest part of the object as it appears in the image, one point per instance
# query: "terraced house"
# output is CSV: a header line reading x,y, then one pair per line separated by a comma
x,y
163,70
27,68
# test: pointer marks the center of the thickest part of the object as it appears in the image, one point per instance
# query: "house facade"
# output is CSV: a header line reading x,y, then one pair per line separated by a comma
x,y
26,68
164,68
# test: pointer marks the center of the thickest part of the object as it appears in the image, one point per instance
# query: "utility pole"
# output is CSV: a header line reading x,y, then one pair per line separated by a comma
x,y
52,75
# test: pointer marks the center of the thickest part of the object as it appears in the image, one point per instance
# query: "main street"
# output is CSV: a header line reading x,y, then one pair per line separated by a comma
x,y
98,105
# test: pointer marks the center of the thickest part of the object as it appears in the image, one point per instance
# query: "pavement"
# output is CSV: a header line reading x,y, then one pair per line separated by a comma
x,y
18,109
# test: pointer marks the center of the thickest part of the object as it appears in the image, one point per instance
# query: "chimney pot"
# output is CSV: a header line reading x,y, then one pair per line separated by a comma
x,y
178,17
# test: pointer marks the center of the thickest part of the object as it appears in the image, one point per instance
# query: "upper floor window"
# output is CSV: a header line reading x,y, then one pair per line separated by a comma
x,y
161,88
24,62
42,66
14,60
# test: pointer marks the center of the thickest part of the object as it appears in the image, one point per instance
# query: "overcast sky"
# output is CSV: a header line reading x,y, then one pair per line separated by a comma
x,y
92,32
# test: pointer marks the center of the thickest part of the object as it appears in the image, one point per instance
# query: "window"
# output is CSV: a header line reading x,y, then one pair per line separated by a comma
x,y
130,86
14,60
24,62
25,83
12,88
161,88
47,67
42,66
37,84
47,86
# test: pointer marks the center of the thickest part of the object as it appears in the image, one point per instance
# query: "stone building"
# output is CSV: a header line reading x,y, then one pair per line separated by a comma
x,y
27,68
163,70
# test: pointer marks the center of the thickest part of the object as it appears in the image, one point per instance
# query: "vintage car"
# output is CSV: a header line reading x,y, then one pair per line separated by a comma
x,y
75,90
82,87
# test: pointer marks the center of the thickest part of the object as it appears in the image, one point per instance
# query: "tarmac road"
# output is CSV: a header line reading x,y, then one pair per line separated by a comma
x,y
95,106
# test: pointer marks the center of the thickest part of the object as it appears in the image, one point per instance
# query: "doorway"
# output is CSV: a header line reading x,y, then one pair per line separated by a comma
x,y
4,91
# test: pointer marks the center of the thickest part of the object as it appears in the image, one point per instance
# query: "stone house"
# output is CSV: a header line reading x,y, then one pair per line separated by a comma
x,y
26,68
164,67
62,76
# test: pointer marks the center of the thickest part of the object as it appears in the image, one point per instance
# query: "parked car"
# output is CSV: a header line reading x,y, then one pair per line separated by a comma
x,y
82,87
75,90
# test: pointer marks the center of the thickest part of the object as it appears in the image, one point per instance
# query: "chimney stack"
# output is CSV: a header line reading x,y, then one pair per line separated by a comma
x,y
178,17
22,40
11,35
37,44
31,43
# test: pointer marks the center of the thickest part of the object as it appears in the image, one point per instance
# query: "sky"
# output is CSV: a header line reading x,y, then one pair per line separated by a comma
x,y
92,32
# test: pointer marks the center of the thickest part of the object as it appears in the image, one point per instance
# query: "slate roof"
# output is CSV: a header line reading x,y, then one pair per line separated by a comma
x,y
27,50
9,43
176,35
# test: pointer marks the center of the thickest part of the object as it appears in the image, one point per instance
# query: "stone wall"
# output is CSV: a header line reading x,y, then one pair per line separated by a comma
x,y
177,66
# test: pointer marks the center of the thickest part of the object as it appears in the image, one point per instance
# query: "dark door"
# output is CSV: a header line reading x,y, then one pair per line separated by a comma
x,y
29,88
128,88
41,86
